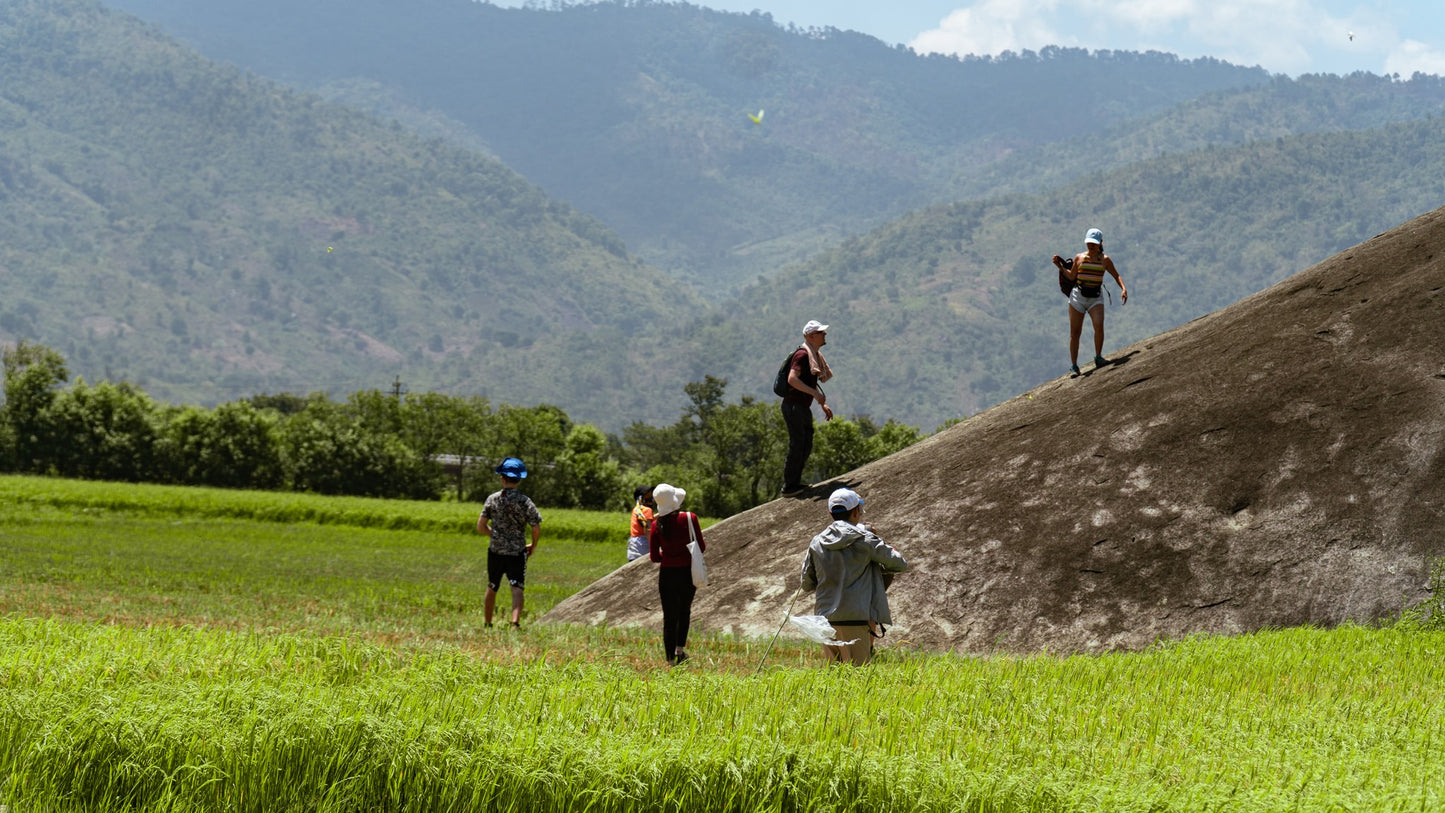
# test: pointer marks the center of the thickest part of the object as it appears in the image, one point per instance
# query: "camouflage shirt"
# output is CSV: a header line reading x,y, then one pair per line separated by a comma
x,y
510,512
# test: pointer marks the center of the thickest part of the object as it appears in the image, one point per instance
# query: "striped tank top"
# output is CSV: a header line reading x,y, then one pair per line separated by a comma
x,y
1091,275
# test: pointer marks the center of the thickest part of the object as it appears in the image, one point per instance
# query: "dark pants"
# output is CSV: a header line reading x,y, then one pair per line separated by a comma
x,y
674,586
799,418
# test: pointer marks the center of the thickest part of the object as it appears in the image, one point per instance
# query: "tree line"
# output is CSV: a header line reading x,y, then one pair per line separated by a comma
x,y
729,456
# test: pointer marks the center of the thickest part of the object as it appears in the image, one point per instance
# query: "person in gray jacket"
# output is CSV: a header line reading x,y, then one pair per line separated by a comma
x,y
844,569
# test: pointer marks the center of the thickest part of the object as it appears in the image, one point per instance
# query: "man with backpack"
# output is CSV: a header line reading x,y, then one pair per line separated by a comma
x,y
797,384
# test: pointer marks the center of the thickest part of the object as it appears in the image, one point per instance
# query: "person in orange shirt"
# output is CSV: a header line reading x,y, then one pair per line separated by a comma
x,y
643,511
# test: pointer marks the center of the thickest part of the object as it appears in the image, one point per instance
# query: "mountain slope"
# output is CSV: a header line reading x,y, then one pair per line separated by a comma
x,y
638,112
209,234
1275,463
1280,108
955,308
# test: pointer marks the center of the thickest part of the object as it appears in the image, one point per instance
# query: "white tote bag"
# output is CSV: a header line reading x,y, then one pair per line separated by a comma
x,y
699,566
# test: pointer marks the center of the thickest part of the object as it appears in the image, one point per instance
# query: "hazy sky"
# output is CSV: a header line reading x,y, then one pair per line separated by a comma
x,y
1282,36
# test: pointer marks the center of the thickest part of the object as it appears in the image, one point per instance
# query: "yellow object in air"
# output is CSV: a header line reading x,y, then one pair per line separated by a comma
x,y
758,119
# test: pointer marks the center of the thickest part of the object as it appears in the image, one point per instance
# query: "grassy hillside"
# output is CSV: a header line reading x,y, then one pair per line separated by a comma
x,y
209,234
638,112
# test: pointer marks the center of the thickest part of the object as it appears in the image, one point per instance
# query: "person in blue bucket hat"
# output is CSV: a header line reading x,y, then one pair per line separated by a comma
x,y
505,517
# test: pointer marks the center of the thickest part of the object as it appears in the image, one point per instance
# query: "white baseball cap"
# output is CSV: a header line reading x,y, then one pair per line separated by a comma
x,y
814,326
1094,236
844,498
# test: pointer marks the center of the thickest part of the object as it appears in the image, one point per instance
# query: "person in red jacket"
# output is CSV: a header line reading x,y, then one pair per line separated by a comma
x,y
671,532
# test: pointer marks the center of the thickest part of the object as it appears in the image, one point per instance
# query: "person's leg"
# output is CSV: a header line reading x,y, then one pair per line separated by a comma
x,y
667,593
496,571
515,571
1076,326
518,595
799,420
1096,314
858,644
686,593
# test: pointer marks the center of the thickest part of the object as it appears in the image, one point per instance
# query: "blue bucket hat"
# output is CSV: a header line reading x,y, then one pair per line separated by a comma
x,y
512,468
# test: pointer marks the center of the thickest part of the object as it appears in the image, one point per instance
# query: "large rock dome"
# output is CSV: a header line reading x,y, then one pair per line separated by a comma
x,y
1275,463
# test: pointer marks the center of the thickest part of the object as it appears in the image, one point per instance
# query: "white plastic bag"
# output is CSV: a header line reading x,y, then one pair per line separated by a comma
x,y
816,628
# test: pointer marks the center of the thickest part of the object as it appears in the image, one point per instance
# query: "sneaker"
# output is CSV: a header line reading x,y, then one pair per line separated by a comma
x,y
790,490
680,657
516,625
1074,369
1100,361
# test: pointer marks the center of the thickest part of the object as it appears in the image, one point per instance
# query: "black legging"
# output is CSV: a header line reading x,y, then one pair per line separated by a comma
x,y
674,586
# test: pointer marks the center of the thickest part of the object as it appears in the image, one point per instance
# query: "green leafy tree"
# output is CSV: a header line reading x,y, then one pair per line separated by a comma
x,y
749,442
234,446
327,451
465,429
892,437
109,433
538,435
839,446
588,476
33,374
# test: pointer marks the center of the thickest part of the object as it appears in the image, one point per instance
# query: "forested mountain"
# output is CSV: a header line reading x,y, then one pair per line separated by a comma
x,y
1279,108
638,112
209,235
955,308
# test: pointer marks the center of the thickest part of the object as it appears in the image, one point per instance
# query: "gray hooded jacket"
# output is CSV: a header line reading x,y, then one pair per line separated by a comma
x,y
844,567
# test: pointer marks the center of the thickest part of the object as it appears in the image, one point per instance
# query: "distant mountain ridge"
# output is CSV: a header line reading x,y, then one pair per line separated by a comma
x,y
952,309
638,112
211,235
167,222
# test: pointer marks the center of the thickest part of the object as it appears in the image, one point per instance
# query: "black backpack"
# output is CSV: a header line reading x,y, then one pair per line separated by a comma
x,y
1065,284
780,381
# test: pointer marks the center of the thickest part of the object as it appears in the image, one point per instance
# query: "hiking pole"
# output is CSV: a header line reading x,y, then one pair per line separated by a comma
x,y
774,640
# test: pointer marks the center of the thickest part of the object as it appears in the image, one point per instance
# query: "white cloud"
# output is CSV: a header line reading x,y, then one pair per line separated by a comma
x,y
1412,56
1287,36
992,27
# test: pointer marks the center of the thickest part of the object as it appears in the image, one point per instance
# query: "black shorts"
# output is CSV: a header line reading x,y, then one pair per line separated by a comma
x,y
511,567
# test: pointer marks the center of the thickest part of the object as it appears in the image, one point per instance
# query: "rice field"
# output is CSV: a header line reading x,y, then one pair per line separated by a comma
x,y
197,662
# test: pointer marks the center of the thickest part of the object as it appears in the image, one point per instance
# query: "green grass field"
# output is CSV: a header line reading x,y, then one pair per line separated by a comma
x,y
162,649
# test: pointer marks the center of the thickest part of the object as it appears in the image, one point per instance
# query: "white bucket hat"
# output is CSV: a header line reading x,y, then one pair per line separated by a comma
x,y
668,498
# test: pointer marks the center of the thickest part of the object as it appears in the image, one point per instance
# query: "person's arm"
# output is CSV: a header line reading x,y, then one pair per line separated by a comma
x,y
697,532
886,556
796,382
536,535
654,543
809,579
484,525
1123,291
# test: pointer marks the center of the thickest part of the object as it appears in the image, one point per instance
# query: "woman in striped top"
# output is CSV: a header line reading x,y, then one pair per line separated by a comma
x,y
1088,275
